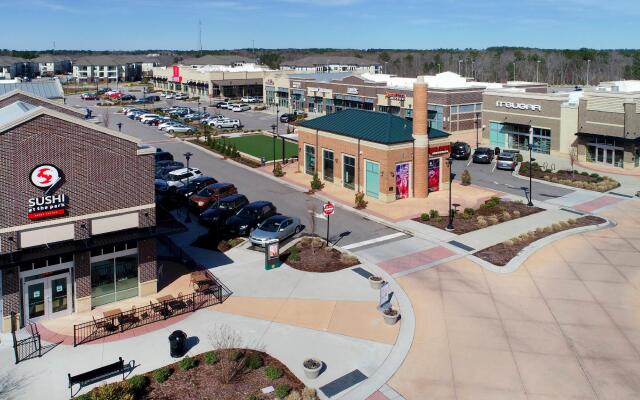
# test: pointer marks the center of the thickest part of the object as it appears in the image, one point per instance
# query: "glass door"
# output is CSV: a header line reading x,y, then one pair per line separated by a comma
x,y
59,295
34,302
47,297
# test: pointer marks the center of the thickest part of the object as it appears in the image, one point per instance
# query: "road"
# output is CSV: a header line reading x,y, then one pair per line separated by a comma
x,y
256,187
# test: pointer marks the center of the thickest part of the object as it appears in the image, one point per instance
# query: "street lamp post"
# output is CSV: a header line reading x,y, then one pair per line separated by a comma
x,y
531,160
538,71
477,131
451,176
188,155
273,129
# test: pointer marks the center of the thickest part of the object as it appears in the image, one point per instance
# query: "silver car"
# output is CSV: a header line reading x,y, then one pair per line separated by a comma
x,y
277,227
507,160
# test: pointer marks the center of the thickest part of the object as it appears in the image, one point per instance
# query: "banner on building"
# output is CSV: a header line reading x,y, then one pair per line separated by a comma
x,y
402,181
434,175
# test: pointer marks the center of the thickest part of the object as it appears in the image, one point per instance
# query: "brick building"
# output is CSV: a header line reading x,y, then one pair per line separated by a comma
x,y
77,212
384,156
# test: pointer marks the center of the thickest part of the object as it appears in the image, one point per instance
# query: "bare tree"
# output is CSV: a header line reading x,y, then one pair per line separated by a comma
x,y
573,157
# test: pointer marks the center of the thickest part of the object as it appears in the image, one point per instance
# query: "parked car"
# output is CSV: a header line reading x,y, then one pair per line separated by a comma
x,y
179,177
170,96
508,159
227,123
88,96
144,118
460,151
114,95
225,105
193,186
163,173
163,156
288,117
240,107
180,129
128,97
249,217
168,163
278,227
104,90
182,96
218,213
211,194
249,99
483,155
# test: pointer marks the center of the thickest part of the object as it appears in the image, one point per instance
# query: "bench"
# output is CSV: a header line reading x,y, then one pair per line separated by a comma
x,y
94,375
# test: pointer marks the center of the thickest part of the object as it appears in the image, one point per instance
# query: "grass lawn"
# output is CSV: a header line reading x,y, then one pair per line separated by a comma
x,y
262,146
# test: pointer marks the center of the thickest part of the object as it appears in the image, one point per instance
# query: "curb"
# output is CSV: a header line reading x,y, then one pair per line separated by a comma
x,y
524,254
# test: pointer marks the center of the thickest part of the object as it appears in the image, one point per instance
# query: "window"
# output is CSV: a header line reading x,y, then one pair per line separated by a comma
x,y
435,115
114,279
309,159
327,163
349,171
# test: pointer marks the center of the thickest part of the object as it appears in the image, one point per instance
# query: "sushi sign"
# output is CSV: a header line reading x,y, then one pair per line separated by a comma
x,y
46,177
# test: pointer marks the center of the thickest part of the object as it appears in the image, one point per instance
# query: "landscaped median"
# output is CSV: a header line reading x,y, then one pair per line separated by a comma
x,y
311,254
494,211
501,253
581,180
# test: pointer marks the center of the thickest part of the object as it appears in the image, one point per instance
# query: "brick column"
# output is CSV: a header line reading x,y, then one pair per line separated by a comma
x,y
421,138
10,296
82,276
147,267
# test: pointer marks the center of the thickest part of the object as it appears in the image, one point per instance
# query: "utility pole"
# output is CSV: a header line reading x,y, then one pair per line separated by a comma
x,y
538,71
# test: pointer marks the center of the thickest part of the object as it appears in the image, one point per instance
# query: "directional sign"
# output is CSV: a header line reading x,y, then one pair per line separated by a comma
x,y
328,208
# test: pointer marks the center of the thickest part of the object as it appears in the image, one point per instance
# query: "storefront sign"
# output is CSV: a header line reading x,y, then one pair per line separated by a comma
x,y
518,106
395,96
176,74
442,149
269,82
272,255
402,181
295,85
352,90
434,175
46,177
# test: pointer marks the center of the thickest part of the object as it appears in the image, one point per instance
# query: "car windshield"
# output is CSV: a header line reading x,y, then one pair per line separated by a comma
x,y
505,158
271,225
247,212
225,205
204,192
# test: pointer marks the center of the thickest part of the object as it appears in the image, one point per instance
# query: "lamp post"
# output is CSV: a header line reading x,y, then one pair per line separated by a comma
x,y
477,131
538,71
588,66
273,129
531,160
451,176
119,126
188,155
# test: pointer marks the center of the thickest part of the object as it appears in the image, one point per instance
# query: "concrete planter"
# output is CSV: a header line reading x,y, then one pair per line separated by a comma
x,y
312,367
391,316
375,282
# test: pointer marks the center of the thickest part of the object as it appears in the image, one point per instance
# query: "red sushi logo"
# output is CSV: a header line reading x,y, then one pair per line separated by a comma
x,y
45,176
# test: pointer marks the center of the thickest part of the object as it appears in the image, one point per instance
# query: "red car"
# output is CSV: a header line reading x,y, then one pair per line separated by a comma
x,y
115,95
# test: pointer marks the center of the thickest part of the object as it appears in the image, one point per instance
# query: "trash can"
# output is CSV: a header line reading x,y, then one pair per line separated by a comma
x,y
177,343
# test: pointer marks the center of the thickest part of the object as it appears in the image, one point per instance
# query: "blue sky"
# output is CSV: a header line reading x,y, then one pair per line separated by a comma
x,y
229,24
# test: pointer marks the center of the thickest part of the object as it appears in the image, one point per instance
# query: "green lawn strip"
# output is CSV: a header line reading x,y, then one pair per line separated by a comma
x,y
262,146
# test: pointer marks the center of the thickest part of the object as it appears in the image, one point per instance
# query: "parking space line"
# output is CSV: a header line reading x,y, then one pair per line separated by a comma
x,y
469,163
495,164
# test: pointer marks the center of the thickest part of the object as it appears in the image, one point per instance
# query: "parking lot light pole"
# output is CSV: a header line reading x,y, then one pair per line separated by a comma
x,y
531,160
451,176
477,131
273,129
188,155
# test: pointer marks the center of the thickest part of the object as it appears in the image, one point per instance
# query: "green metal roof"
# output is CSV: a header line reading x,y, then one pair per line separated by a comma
x,y
373,126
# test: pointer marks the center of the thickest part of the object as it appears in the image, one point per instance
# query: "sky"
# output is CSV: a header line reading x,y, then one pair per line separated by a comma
x,y
361,24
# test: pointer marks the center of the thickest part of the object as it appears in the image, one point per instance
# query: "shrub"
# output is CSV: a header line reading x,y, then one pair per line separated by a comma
x,y
254,361
235,355
539,231
162,374
555,227
509,243
348,259
253,397
491,203
523,237
114,391
482,222
316,184
282,391
492,220
571,221
295,395
309,394
187,363
548,229
564,224
85,396
465,178
272,372
469,211
594,175
277,170
294,253
360,202
211,358
137,383
434,214
519,158
515,214
546,178
424,217
506,216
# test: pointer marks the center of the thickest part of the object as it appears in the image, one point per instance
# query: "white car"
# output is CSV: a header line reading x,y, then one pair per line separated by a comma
x,y
240,107
170,96
178,178
165,125
144,118
225,105
249,99
227,123
180,129
181,96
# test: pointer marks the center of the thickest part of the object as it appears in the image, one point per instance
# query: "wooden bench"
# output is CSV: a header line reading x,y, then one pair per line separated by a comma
x,y
94,375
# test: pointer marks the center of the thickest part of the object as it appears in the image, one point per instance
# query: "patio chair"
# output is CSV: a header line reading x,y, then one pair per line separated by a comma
x,y
99,325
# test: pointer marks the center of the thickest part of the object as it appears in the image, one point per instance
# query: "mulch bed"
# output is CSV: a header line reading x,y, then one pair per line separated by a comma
x,y
501,253
593,181
462,225
318,259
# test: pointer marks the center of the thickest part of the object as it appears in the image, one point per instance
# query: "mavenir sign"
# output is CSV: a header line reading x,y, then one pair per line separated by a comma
x,y
519,106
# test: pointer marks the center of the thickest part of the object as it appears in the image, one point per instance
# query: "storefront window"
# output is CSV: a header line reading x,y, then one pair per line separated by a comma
x,y
349,171
309,159
114,279
435,114
327,163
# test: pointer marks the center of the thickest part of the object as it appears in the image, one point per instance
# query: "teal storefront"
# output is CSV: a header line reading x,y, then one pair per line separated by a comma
x,y
516,136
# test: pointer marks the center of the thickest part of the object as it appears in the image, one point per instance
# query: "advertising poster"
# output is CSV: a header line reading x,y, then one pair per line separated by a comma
x,y
402,181
434,175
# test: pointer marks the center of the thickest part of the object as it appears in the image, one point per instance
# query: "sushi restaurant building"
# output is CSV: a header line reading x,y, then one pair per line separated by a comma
x,y
77,215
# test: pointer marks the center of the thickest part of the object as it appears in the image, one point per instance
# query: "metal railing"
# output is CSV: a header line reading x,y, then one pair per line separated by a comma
x,y
154,312
27,348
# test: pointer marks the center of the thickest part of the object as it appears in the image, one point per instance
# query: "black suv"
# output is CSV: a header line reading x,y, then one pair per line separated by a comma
x,y
288,117
249,217
164,156
220,211
460,151
184,192
483,155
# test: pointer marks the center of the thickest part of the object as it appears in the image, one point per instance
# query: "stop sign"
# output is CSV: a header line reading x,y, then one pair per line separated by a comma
x,y
328,208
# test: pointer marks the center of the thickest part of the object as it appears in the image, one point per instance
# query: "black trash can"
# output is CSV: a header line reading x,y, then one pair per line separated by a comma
x,y
177,343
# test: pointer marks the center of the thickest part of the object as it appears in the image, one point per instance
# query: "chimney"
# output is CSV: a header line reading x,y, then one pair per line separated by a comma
x,y
420,138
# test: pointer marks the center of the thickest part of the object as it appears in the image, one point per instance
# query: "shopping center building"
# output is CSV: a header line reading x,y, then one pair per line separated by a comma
x,y
77,212
384,156
597,125
455,102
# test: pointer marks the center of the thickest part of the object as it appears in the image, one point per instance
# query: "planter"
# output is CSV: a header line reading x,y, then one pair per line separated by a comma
x,y
312,367
375,282
391,316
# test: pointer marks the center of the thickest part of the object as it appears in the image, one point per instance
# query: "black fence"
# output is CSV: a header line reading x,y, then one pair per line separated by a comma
x,y
26,348
154,312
